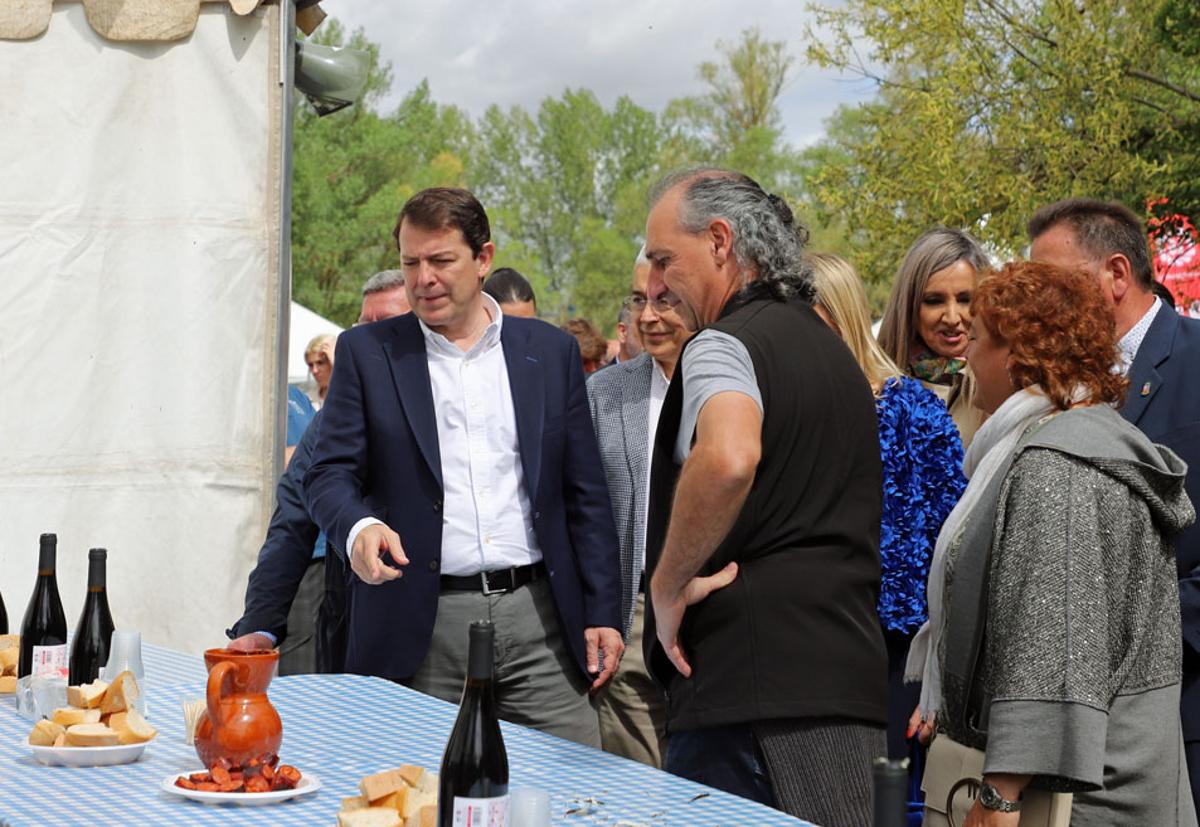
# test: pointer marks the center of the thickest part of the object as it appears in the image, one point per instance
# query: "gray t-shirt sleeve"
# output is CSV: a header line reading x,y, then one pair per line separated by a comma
x,y
714,362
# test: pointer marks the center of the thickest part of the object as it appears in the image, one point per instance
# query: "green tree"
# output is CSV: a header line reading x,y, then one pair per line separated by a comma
x,y
559,188
989,108
351,172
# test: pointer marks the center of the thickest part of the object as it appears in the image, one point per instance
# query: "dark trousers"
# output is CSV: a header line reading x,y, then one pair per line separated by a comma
x,y
298,652
727,758
818,769
332,626
902,698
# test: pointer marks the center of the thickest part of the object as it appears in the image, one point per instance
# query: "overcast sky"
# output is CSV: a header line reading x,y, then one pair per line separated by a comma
x,y
520,51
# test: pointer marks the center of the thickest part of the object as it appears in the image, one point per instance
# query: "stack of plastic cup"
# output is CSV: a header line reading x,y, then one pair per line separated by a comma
x,y
125,653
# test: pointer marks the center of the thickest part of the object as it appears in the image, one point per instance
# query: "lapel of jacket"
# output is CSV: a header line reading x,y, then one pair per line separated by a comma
x,y
410,371
1144,378
635,418
527,381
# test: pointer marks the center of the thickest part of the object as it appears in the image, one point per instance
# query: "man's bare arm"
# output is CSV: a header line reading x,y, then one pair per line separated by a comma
x,y
713,485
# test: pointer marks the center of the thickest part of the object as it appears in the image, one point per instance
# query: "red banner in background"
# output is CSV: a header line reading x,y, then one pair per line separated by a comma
x,y
1175,245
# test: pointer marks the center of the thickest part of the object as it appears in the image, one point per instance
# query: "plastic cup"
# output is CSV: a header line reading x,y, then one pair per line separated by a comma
x,y
529,808
125,653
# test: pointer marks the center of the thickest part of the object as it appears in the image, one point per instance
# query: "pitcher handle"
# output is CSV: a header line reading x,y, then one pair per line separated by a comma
x,y
216,682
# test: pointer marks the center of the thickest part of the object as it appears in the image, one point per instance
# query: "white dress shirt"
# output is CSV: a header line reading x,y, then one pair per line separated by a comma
x,y
1131,341
658,392
487,519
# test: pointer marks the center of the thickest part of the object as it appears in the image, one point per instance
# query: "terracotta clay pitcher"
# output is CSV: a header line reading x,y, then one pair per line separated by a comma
x,y
239,723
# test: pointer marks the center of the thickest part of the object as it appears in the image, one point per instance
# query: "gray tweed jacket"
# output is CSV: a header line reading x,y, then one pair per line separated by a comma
x,y
619,396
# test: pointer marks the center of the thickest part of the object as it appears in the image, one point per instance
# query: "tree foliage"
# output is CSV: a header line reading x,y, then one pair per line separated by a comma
x,y
987,109
565,186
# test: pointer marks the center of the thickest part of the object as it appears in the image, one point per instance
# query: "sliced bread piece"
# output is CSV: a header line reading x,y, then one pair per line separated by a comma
x,y
70,716
425,817
8,684
122,694
8,660
87,696
355,802
381,784
92,735
370,817
131,727
45,733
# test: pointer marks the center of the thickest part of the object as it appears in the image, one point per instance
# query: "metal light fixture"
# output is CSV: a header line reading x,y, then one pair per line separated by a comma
x,y
331,78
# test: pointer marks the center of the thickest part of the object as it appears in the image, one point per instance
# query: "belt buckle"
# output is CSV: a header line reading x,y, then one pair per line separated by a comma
x,y
512,579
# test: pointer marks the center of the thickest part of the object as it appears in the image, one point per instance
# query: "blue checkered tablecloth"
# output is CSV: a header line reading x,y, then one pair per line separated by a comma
x,y
342,727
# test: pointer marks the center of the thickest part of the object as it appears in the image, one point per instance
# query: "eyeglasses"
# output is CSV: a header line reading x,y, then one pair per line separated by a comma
x,y
664,303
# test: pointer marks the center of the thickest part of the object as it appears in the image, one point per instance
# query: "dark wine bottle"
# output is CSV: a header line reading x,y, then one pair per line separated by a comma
x,y
44,629
473,786
3,617
89,648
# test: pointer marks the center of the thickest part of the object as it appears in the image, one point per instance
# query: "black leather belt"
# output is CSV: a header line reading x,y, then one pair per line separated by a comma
x,y
494,582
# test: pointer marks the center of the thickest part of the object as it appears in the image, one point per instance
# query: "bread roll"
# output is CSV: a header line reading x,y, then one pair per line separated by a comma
x,y
355,802
45,733
92,735
370,817
8,684
70,716
87,696
122,694
381,784
8,660
10,642
131,727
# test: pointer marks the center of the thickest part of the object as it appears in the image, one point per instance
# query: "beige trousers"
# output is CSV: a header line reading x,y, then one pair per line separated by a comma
x,y
633,709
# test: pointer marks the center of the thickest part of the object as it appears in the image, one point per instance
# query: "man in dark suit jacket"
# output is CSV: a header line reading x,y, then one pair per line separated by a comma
x,y
286,600
1161,356
468,433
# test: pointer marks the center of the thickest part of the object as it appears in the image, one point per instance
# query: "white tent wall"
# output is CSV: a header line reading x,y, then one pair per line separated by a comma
x,y
140,327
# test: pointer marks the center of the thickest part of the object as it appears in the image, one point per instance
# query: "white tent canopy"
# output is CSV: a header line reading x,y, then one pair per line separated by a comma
x,y
305,324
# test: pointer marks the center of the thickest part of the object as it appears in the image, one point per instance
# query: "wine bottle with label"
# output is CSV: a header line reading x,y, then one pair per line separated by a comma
x,y
89,648
44,629
473,785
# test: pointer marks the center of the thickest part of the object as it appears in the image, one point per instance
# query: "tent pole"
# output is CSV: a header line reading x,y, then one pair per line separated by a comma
x,y
287,64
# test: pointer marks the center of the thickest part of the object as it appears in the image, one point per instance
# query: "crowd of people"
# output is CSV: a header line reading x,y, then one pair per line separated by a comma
x,y
758,546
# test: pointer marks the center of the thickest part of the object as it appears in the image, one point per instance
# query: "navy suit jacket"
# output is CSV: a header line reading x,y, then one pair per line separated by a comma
x,y
286,552
1164,402
378,456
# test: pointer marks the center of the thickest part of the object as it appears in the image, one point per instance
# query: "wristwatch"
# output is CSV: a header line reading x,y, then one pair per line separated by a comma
x,y
990,799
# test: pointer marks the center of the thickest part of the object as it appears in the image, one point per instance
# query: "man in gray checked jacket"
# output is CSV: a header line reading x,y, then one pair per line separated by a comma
x,y
626,399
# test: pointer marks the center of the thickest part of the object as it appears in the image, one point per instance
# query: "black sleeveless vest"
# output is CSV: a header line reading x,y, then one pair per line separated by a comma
x,y
796,634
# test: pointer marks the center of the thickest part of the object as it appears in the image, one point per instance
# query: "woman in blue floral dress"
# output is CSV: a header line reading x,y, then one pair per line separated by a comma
x,y
922,477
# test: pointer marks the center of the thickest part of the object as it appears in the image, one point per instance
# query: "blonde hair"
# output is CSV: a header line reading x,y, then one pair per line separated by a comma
x,y
840,292
314,346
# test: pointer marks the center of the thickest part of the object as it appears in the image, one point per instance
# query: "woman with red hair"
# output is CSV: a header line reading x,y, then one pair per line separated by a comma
x,y
1051,658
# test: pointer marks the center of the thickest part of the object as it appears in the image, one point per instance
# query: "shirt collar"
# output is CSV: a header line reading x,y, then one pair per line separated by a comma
x,y
1132,340
491,334
660,375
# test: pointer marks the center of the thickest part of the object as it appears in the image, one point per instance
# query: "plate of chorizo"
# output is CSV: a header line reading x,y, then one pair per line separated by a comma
x,y
260,780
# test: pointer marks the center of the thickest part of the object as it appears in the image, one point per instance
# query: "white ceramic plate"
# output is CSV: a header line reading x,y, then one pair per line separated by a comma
x,y
87,756
309,783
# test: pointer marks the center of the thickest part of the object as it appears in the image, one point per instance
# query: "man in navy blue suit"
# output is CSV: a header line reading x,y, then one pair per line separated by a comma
x,y
295,598
458,470
1160,353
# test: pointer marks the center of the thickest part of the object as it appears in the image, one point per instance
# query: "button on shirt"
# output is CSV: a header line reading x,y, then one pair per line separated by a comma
x,y
486,514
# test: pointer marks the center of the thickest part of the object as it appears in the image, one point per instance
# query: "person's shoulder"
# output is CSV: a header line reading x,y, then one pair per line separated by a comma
x,y
537,330
380,331
612,377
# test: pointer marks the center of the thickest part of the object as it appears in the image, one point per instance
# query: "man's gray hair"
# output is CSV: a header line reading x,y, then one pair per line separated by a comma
x,y
766,238
384,280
